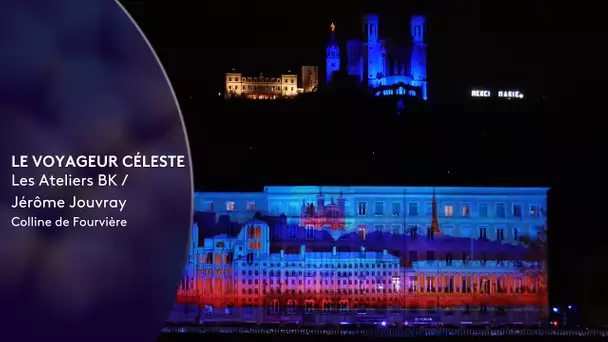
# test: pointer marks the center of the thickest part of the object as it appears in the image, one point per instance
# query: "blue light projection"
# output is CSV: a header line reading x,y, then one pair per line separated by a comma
x,y
387,68
361,254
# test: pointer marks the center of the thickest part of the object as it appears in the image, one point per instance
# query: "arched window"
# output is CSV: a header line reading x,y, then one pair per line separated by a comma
x,y
291,307
274,307
309,305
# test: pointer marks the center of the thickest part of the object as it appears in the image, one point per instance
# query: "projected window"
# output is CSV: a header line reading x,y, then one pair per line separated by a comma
x,y
449,259
396,208
378,208
396,229
413,208
448,210
362,208
483,209
310,232
465,210
517,210
209,206
230,206
250,205
533,210
483,232
500,210
448,229
379,227
500,233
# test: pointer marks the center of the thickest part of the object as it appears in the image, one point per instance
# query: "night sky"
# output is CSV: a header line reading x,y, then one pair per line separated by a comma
x,y
470,43
527,45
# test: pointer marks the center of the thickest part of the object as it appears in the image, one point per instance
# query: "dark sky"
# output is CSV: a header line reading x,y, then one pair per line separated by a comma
x,y
534,46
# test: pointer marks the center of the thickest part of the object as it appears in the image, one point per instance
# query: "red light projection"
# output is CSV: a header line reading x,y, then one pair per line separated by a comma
x,y
338,262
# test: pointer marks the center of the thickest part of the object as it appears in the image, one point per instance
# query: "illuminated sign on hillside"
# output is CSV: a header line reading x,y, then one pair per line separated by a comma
x,y
481,93
509,94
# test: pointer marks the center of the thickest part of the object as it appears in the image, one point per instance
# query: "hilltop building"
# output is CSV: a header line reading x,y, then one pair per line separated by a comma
x,y
271,88
381,64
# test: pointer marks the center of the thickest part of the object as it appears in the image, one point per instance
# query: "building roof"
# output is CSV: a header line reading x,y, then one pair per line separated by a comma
x,y
320,256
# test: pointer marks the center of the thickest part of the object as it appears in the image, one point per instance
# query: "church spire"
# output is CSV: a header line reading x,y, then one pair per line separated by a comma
x,y
333,41
332,57
435,221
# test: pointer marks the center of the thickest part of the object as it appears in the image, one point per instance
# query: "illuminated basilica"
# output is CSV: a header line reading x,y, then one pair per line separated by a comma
x,y
386,67
380,255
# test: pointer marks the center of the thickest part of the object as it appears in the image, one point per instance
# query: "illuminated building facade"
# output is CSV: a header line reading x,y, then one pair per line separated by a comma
x,y
270,88
381,255
381,64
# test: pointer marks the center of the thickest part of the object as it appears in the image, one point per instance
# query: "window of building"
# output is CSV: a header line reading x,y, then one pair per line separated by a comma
x,y
466,231
483,233
209,206
413,208
274,307
430,234
396,229
412,230
448,259
515,234
344,305
465,210
293,231
448,210
230,206
310,231
465,257
326,306
250,205
533,210
483,209
500,210
396,208
517,210
500,233
379,228
378,208
291,307
362,208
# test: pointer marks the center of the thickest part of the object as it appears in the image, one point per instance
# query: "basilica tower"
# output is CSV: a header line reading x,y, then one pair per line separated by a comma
x,y
333,55
418,61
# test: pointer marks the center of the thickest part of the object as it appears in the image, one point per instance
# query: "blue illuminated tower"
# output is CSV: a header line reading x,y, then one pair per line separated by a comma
x,y
333,55
373,64
418,61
